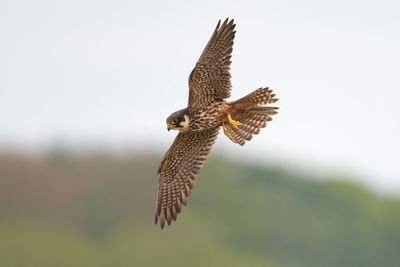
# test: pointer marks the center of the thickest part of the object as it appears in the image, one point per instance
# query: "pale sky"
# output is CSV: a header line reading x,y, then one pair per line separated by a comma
x,y
110,72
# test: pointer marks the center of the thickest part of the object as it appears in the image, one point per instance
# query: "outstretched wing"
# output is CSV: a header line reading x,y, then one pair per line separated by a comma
x,y
210,79
178,169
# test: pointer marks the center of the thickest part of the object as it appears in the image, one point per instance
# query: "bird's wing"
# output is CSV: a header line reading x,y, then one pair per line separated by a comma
x,y
178,169
210,79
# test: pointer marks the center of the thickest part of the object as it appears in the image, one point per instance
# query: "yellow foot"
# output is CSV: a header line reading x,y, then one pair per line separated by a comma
x,y
227,133
233,122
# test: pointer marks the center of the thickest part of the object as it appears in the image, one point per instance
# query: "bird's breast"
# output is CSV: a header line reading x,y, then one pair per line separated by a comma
x,y
205,117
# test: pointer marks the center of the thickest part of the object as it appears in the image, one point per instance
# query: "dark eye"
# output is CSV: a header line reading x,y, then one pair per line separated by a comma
x,y
174,121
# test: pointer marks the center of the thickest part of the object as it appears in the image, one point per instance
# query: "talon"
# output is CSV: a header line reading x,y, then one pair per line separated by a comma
x,y
233,122
227,133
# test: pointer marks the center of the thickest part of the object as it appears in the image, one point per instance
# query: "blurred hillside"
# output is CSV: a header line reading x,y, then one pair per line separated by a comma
x,y
96,209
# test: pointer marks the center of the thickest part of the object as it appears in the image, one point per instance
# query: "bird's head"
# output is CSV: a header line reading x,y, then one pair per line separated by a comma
x,y
178,120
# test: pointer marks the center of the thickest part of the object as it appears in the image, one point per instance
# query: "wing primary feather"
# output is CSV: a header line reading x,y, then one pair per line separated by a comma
x,y
178,171
210,80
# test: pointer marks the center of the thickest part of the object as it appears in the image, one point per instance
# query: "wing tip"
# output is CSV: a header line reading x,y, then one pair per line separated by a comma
x,y
227,22
167,210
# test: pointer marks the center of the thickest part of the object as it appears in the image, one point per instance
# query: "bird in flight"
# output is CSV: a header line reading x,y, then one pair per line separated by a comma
x,y
199,123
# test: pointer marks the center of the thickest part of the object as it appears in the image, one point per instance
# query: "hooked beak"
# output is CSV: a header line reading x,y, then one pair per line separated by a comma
x,y
168,128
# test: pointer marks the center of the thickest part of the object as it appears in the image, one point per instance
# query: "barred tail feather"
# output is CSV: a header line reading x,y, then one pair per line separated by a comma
x,y
261,96
263,111
253,116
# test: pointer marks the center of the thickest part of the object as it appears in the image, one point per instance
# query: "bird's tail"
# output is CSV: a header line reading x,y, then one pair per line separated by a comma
x,y
251,114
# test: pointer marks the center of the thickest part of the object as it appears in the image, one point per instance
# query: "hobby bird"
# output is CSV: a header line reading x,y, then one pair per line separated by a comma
x,y
199,123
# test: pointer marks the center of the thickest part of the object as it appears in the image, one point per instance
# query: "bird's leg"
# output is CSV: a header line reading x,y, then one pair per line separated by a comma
x,y
233,122
227,132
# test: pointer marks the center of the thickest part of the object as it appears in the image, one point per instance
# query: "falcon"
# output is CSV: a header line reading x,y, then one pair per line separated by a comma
x,y
199,123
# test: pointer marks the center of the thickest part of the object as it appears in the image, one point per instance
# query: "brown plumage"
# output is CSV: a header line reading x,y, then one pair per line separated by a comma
x,y
199,123
248,111
210,79
178,170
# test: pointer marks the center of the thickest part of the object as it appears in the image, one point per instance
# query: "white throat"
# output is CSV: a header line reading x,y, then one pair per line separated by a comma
x,y
184,124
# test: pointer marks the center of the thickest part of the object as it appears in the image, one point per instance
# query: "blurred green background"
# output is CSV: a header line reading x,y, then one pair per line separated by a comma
x,y
96,209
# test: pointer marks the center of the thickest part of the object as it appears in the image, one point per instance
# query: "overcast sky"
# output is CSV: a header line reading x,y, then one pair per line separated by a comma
x,y
110,72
